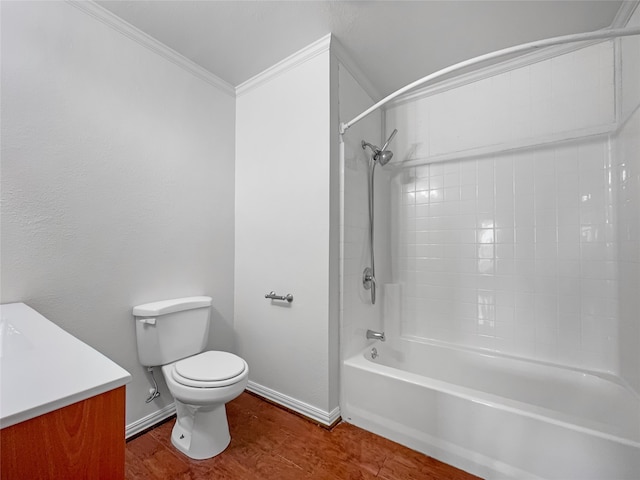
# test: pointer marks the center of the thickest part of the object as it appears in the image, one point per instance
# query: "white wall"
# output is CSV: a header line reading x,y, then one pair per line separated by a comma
x,y
512,251
627,178
287,233
117,182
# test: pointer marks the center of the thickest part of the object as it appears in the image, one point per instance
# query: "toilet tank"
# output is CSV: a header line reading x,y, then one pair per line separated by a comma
x,y
169,330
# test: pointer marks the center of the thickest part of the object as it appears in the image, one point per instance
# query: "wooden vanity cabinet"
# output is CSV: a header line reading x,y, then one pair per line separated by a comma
x,y
84,440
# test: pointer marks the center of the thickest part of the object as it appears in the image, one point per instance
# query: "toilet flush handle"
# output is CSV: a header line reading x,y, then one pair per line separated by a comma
x,y
148,320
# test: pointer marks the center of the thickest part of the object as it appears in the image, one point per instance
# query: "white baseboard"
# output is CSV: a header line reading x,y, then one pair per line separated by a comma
x,y
149,421
309,411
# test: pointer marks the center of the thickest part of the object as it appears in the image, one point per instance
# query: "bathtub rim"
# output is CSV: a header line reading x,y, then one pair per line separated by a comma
x,y
360,360
604,375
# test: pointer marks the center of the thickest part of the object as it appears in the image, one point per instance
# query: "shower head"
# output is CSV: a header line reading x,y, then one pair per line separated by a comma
x,y
384,157
380,155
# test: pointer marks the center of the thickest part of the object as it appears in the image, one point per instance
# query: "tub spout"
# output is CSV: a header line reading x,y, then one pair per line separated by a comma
x,y
371,335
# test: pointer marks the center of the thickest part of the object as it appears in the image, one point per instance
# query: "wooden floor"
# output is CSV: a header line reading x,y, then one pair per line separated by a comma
x,y
268,442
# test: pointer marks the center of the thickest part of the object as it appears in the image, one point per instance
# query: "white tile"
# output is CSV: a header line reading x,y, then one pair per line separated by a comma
x,y
546,332
525,269
524,251
545,218
421,210
546,268
436,182
569,304
546,234
568,195
505,267
568,209
505,235
451,179
421,184
452,194
546,197
505,251
484,172
569,234
568,268
569,251
523,173
468,172
524,212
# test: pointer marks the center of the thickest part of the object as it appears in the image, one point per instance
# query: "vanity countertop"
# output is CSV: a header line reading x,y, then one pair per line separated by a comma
x,y
43,368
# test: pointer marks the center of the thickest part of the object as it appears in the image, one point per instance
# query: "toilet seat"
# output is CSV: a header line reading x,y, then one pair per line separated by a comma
x,y
209,370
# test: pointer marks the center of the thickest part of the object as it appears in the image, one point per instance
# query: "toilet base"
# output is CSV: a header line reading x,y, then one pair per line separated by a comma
x,y
200,431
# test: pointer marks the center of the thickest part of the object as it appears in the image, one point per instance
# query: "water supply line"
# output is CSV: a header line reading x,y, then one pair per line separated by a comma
x,y
153,392
522,48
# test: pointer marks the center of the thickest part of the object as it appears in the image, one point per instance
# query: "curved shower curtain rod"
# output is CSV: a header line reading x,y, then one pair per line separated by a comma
x,y
577,37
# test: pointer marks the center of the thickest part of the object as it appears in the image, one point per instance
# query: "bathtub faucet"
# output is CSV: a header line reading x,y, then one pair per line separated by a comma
x,y
371,335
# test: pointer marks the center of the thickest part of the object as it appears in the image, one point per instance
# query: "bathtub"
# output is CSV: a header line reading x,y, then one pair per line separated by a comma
x,y
494,416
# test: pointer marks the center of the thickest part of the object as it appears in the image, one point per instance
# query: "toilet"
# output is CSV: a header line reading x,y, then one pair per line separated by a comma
x,y
173,334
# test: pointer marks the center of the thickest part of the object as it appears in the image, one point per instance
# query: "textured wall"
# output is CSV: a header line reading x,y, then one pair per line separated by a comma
x,y
117,182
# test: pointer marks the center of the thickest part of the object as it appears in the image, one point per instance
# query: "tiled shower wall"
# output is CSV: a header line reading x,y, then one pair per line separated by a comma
x,y
514,251
628,203
627,164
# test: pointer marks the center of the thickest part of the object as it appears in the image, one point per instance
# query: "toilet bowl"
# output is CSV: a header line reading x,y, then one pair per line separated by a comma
x,y
173,334
201,386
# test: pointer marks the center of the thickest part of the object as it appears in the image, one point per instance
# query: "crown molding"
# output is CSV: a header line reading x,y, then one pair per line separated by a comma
x,y
307,53
624,14
352,67
105,16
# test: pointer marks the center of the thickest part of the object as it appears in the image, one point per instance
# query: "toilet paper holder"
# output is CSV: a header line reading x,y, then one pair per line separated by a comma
x,y
273,296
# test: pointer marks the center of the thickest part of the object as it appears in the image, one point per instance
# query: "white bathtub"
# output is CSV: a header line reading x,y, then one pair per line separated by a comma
x,y
496,417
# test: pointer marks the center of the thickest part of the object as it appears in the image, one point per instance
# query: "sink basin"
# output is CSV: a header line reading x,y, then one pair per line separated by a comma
x,y
12,340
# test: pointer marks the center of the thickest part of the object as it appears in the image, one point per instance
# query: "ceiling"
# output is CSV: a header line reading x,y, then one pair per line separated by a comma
x,y
392,42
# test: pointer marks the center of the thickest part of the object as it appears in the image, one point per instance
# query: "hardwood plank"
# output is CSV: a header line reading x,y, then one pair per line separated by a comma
x,y
148,458
268,442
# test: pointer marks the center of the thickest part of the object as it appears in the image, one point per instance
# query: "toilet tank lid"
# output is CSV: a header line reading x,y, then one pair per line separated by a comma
x,y
170,306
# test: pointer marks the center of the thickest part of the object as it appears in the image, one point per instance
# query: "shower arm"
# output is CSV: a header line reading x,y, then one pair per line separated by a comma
x,y
393,134
578,37
375,150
